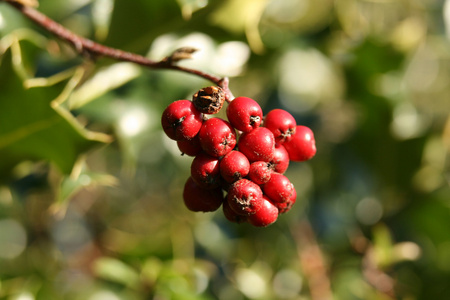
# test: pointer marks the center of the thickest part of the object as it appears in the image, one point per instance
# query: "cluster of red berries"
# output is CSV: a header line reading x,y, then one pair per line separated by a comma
x,y
245,157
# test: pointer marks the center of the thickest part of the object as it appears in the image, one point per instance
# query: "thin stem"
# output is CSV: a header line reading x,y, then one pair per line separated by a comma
x,y
312,261
87,46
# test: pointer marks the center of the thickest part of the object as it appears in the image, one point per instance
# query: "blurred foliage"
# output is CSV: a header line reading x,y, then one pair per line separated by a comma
x,y
90,194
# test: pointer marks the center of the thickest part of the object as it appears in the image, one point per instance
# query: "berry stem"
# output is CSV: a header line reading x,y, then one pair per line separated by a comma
x,y
92,49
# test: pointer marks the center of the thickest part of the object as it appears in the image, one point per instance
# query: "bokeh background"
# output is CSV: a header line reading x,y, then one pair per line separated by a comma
x,y
90,188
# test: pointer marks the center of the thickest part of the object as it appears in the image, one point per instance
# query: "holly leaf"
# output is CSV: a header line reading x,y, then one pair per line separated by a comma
x,y
34,126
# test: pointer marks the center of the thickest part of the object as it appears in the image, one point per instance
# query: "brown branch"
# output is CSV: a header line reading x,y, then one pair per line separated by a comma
x,y
312,261
376,277
87,46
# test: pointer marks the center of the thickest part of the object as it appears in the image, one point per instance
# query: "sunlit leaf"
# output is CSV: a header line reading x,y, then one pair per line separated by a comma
x,y
32,127
242,17
116,271
188,7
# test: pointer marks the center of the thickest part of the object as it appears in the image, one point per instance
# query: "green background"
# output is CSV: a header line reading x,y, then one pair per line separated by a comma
x,y
90,188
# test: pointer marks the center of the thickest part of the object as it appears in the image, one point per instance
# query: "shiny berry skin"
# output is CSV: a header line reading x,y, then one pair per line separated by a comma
x,y
231,215
281,123
280,161
278,188
190,147
181,120
302,146
258,144
244,114
217,137
284,207
234,166
245,197
265,216
205,171
199,199
260,172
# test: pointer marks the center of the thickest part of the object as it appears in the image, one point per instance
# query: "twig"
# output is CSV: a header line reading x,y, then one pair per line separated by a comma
x,y
87,46
312,262
376,277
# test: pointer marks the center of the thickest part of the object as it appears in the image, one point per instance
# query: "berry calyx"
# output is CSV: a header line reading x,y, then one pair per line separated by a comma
x,y
234,166
258,144
217,137
244,114
198,199
181,120
245,197
281,123
302,146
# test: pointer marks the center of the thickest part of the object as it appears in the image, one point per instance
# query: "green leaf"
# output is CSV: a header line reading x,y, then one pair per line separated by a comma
x,y
34,127
188,7
116,271
246,16
134,24
80,178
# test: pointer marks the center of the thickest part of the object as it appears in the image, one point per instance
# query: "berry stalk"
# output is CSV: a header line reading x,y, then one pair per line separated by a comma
x,y
93,49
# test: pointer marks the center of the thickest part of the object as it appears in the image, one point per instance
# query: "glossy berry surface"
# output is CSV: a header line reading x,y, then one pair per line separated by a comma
x,y
260,172
280,161
281,123
239,161
217,137
181,120
190,147
245,197
278,188
231,215
205,171
284,207
302,146
244,114
234,166
258,144
266,215
198,199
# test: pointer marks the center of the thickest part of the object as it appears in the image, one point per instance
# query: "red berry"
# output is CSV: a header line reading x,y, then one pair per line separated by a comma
x,y
181,120
190,147
284,207
245,197
302,146
267,215
258,144
234,166
231,215
199,199
278,188
280,161
205,171
217,137
281,123
244,114
260,172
